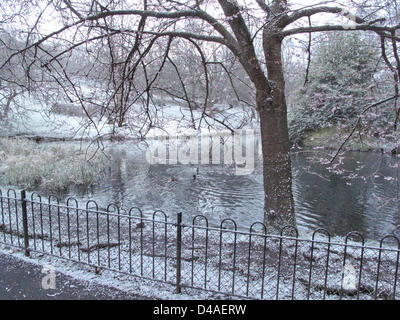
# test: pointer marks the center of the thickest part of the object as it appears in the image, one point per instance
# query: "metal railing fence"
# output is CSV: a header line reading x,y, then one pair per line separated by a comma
x,y
223,259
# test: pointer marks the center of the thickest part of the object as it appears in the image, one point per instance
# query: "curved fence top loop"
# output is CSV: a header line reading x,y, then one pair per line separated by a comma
x,y
198,217
92,202
14,193
135,208
260,224
389,236
70,199
352,234
113,205
162,213
289,227
321,231
226,221
37,195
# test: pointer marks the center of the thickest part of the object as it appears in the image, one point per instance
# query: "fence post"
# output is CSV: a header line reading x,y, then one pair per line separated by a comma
x,y
25,222
178,251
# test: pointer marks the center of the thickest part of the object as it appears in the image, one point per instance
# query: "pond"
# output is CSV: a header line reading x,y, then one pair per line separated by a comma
x,y
368,203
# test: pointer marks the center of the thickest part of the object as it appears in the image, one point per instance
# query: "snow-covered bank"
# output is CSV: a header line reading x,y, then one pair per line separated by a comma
x,y
33,118
53,167
332,138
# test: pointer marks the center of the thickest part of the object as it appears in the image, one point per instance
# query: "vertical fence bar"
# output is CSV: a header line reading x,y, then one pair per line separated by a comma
x,y
59,229
87,234
165,249
234,263
50,227
178,252
130,241
25,222
16,217
153,245
77,234
2,216
119,239
33,225
9,217
279,267
69,228
141,243
41,223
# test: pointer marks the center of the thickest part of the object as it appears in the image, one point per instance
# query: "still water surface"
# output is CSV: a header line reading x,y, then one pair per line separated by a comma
x,y
327,200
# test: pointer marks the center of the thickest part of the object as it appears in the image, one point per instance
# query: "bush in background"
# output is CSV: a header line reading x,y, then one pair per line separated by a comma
x,y
345,76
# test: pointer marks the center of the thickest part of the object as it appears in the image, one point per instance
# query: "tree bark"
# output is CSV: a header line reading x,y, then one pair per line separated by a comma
x,y
277,171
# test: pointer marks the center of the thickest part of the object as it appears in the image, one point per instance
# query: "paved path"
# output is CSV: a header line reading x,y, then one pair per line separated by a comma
x,y
23,280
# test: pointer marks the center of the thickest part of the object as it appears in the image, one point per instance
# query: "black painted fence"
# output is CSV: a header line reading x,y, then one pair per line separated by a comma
x,y
221,259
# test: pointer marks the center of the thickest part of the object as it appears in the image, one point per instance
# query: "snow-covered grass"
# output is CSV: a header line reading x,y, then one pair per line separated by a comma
x,y
53,167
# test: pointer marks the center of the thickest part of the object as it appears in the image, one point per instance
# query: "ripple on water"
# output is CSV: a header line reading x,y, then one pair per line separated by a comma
x,y
371,207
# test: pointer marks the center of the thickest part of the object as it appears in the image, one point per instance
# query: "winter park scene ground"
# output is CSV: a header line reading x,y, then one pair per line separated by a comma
x,y
212,150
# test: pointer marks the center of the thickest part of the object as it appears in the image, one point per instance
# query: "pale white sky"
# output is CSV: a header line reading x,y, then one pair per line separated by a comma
x,y
51,24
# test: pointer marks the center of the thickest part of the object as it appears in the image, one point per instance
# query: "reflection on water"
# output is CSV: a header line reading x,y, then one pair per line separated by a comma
x,y
369,204
323,200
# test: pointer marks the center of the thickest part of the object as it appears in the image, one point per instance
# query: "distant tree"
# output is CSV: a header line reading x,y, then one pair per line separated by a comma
x,y
340,82
12,77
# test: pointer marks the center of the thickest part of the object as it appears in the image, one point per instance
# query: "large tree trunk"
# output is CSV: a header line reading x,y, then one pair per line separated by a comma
x,y
279,204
